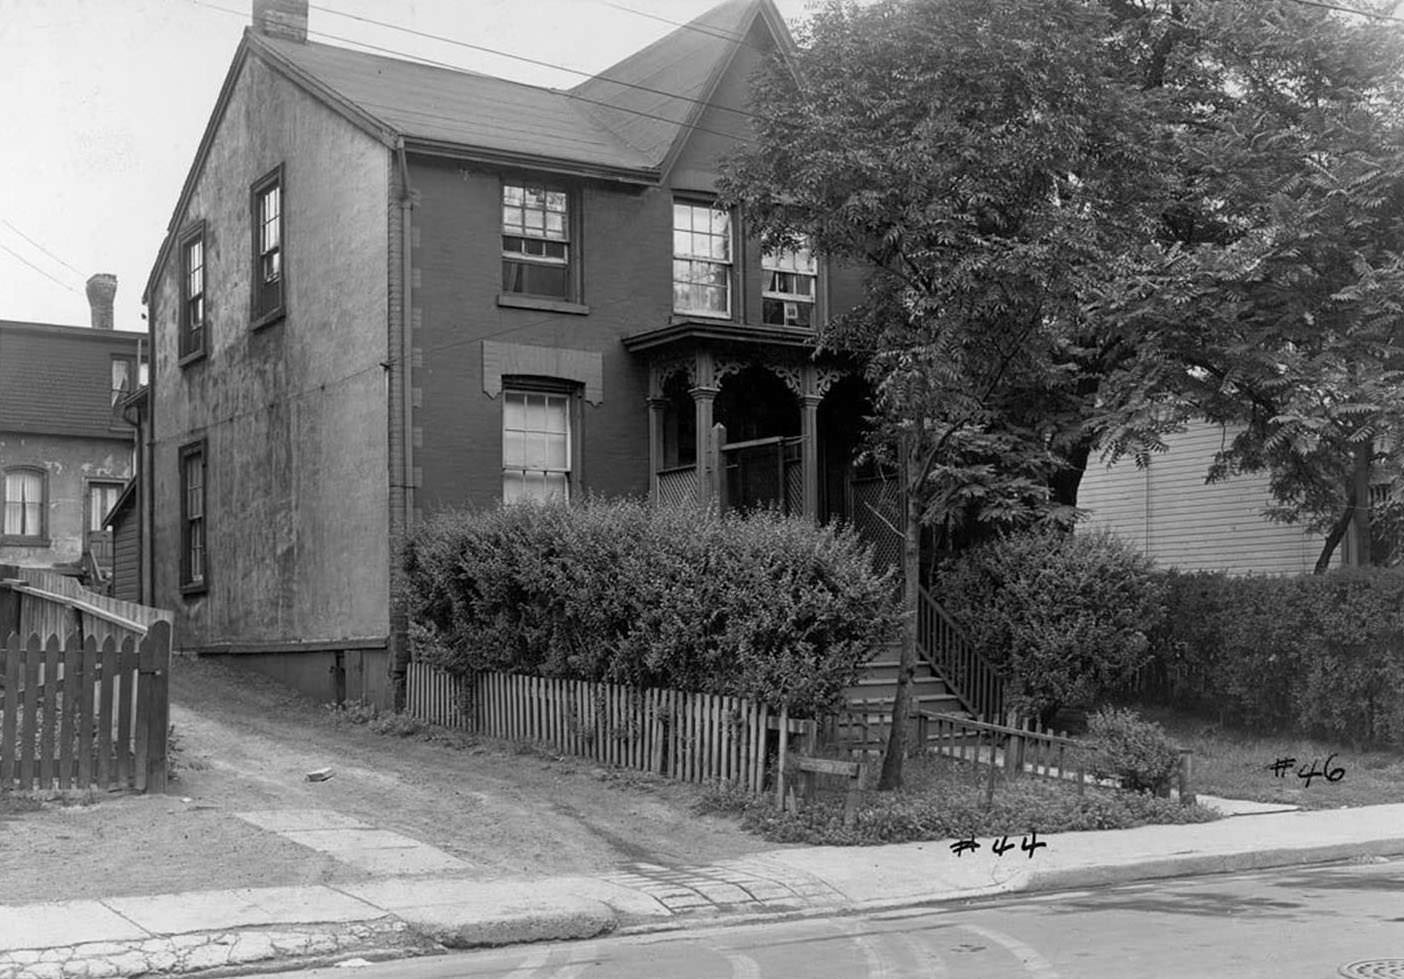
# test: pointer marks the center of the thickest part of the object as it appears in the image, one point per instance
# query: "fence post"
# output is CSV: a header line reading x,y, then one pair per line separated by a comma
x,y
1184,773
780,761
155,684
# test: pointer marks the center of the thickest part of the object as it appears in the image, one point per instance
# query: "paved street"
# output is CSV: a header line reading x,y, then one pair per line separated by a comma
x,y
1299,922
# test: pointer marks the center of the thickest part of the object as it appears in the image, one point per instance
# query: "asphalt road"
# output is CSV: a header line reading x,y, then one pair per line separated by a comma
x,y
1303,922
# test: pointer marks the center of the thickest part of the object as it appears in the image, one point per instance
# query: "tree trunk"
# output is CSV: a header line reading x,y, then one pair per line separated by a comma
x,y
891,777
1356,515
1338,531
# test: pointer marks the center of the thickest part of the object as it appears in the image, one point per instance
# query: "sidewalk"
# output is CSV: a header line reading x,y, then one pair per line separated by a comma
x,y
183,933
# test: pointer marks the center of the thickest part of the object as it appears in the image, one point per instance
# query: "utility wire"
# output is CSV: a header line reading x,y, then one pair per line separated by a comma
x,y
1370,14
531,61
710,31
38,269
693,127
36,244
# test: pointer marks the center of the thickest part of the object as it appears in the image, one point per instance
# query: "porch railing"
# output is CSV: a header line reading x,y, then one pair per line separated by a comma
x,y
677,486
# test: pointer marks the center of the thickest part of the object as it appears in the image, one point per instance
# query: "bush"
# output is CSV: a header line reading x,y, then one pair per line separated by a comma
x,y
1063,616
1137,752
1319,655
765,607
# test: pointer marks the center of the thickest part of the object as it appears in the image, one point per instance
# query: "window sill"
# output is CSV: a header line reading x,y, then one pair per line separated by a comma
x,y
194,589
12,540
518,301
193,357
268,319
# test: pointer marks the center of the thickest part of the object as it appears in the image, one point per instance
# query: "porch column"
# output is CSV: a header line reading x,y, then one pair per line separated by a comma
x,y
656,406
809,452
702,398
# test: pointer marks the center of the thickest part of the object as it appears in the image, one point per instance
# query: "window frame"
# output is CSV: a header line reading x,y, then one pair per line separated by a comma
x,y
730,264
262,311
189,583
89,485
41,538
571,297
770,263
569,392
191,348
133,376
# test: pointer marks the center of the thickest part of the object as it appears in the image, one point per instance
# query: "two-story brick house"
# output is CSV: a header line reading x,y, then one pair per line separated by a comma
x,y
66,449
390,288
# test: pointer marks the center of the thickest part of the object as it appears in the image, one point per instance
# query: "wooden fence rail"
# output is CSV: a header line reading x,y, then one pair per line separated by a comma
x,y
79,715
693,737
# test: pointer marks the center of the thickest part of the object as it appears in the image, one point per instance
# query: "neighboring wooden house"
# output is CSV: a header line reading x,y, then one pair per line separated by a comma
x,y
389,288
1168,511
65,449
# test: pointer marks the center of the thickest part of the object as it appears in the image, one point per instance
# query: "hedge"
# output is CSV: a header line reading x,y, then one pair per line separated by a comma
x,y
1316,655
1064,617
763,606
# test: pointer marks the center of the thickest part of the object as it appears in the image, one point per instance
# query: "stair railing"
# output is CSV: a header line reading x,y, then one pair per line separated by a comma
x,y
971,677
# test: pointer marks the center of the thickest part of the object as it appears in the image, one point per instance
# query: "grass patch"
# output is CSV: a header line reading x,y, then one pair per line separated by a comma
x,y
1235,764
944,799
12,804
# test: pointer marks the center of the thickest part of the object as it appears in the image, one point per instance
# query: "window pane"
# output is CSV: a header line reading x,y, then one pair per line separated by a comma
x,y
536,452
513,449
13,517
513,487
556,201
512,219
513,410
555,224
512,194
555,446
682,217
556,415
720,222
557,486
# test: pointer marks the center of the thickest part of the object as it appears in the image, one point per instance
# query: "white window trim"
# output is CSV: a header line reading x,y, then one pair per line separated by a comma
x,y
509,394
787,262
728,264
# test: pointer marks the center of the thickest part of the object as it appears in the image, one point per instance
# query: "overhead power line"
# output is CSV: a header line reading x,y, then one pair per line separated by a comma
x,y
38,269
1370,14
39,246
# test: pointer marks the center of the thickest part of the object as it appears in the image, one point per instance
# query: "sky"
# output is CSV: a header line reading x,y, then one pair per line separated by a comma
x,y
103,102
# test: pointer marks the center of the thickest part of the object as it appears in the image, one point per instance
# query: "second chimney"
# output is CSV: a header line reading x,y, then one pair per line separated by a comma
x,y
101,290
281,18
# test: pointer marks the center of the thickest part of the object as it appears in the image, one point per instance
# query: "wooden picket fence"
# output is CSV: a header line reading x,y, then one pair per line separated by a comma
x,y
78,715
692,737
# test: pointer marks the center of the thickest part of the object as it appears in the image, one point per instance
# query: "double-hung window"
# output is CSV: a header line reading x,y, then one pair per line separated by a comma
x,y
269,276
193,565
787,295
536,241
702,260
192,294
123,377
536,446
22,506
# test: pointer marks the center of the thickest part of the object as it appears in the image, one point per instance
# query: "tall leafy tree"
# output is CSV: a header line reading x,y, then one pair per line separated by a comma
x,y
1270,297
984,161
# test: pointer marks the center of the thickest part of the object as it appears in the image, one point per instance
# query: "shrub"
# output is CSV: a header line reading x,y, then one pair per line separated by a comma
x,y
763,606
1137,752
1063,616
1318,655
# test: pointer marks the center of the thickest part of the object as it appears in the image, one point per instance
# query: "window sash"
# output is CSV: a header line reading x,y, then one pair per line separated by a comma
x,y
24,505
535,232
192,334
101,497
702,259
268,272
789,286
193,516
536,446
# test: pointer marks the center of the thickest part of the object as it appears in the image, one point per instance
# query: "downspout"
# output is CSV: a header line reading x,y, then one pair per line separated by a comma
x,y
402,426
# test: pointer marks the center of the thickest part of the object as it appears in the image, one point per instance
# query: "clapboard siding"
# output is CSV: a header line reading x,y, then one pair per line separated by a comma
x,y
126,558
1169,511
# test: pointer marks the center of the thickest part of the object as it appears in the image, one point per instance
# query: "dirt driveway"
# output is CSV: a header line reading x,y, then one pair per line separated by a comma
x,y
245,743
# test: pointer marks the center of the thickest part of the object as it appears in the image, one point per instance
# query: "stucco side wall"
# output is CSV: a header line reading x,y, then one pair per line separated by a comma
x,y
293,414
70,462
1169,511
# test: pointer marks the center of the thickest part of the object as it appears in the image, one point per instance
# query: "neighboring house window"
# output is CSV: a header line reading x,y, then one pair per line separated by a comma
x,y
123,371
787,297
701,259
268,277
536,449
536,241
192,296
101,498
192,516
22,505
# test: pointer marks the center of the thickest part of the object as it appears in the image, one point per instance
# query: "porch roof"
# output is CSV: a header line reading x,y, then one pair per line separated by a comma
x,y
688,330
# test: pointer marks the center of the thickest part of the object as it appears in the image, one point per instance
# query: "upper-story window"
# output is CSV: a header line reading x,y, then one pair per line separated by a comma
x,y
268,260
123,377
536,252
787,296
192,516
22,506
701,259
192,294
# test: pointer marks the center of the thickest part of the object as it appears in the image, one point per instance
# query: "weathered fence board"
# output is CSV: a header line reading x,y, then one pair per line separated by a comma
x,y
692,737
74,718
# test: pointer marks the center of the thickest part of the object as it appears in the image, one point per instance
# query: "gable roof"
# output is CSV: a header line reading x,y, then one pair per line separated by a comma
x,y
57,380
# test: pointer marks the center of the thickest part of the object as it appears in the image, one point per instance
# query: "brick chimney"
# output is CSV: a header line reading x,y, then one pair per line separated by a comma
x,y
101,289
281,18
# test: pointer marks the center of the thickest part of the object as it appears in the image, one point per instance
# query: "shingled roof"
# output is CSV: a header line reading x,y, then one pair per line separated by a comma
x,y
628,118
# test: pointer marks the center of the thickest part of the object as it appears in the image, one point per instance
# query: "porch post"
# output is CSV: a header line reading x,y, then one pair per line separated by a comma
x,y
703,395
656,405
809,452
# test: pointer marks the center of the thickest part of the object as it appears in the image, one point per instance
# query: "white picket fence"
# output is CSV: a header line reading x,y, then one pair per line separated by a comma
x,y
693,737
